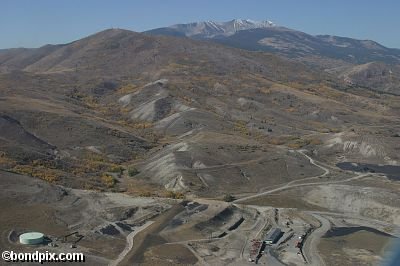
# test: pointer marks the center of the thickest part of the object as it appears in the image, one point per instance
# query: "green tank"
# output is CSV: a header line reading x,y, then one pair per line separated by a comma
x,y
31,238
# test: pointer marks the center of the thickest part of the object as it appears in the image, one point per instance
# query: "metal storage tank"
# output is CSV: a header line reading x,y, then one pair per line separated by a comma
x,y
31,238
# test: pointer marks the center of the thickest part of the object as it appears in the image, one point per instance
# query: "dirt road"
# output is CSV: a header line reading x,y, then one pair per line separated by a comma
x,y
313,162
129,243
291,184
139,246
310,249
287,186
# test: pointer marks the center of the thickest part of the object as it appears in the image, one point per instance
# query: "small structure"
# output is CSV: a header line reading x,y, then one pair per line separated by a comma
x,y
273,236
31,238
256,248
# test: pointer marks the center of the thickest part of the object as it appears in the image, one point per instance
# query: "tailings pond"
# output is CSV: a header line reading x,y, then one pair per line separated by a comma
x,y
391,171
343,231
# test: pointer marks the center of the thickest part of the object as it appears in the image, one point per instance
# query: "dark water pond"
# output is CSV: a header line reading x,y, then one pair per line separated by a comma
x,y
343,231
391,171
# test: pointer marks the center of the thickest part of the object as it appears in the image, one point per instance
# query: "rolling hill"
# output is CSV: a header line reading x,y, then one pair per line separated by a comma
x,y
190,116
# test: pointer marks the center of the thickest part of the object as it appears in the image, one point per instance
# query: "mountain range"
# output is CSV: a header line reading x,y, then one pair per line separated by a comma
x,y
267,36
212,29
170,105
340,55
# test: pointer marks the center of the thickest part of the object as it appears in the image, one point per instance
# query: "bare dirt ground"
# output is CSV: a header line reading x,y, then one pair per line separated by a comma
x,y
148,237
366,199
103,220
212,232
129,243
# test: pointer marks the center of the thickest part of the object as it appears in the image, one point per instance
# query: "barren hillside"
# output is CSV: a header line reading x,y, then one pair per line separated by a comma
x,y
183,113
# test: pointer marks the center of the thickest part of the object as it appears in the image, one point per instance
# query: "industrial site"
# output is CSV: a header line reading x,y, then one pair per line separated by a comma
x,y
118,229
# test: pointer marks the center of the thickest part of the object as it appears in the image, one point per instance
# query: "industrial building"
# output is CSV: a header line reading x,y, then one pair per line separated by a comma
x,y
31,238
273,236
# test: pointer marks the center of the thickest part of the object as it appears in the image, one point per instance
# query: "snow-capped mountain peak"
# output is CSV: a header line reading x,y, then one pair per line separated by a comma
x,y
245,24
209,29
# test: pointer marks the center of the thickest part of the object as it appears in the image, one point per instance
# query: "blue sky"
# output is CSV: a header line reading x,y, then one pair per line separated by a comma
x,y
29,23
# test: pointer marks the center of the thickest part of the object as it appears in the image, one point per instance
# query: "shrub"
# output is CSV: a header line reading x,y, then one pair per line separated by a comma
x,y
315,141
229,198
298,143
145,194
116,169
276,141
334,130
241,127
175,195
108,180
49,175
6,162
132,171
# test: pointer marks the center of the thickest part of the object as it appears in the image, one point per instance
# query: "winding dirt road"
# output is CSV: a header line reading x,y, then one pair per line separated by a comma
x,y
129,243
313,162
310,249
290,184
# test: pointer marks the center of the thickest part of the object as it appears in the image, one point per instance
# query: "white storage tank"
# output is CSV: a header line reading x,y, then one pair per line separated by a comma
x,y
31,238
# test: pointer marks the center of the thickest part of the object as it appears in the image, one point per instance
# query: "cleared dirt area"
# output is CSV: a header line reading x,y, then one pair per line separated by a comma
x,y
174,254
148,238
283,201
36,217
102,221
213,232
350,195
199,231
